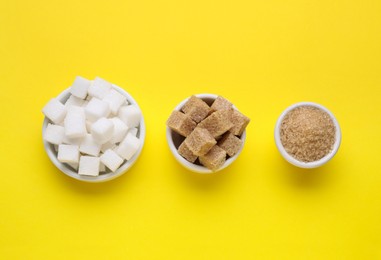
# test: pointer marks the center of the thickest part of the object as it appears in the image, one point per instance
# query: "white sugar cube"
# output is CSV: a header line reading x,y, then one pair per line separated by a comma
x,y
99,88
84,104
89,146
102,167
128,147
68,153
54,110
73,141
120,130
88,126
75,122
89,165
74,101
133,131
73,165
96,109
115,100
54,134
102,130
115,148
80,87
130,115
107,146
112,160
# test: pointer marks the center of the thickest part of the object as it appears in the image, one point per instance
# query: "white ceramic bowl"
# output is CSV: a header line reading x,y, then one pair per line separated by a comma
x,y
291,159
49,148
174,140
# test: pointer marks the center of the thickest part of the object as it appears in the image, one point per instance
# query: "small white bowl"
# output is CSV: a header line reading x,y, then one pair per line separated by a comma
x,y
66,169
174,140
290,158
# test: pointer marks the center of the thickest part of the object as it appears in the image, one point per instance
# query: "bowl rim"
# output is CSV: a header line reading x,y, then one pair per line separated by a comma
x,y
191,166
292,160
49,148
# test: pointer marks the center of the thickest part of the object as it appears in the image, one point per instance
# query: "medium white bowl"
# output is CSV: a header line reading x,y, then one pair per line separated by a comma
x,y
66,169
290,158
174,140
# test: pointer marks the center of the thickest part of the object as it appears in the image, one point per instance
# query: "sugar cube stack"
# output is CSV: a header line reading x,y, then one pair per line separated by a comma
x,y
96,130
212,133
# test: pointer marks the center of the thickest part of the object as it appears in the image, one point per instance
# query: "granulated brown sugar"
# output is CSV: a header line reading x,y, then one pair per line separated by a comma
x,y
307,133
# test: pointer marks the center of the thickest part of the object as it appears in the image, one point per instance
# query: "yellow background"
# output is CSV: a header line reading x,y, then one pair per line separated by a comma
x,y
263,56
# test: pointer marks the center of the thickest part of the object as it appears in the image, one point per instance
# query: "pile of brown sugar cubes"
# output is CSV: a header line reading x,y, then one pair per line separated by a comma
x,y
211,133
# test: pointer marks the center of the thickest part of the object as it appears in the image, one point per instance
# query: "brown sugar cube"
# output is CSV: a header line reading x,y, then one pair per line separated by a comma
x,y
181,123
230,143
200,141
218,137
240,121
214,159
218,122
221,103
196,109
186,153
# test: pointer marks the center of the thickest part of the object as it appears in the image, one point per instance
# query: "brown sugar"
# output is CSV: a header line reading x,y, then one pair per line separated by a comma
x,y
307,133
212,134
200,141
230,143
214,159
240,121
221,103
186,153
181,123
218,122
196,108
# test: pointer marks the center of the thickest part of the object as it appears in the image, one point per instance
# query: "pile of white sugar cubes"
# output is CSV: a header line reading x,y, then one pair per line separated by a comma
x,y
95,128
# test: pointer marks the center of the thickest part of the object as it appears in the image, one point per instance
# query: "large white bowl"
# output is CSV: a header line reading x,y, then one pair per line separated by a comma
x,y
290,158
66,169
174,140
